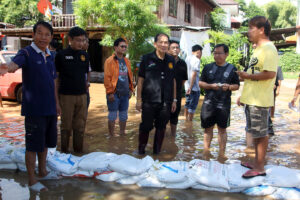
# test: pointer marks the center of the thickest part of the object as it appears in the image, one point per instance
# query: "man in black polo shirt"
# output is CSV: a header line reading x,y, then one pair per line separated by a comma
x,y
156,93
180,76
218,79
72,65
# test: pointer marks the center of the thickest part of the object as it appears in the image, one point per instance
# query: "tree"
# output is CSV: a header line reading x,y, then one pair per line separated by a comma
x,y
132,19
217,19
282,14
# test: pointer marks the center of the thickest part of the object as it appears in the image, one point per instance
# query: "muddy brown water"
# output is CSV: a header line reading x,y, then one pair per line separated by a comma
x,y
284,149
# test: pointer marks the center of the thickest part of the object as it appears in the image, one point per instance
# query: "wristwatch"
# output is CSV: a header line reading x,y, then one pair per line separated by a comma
x,y
174,100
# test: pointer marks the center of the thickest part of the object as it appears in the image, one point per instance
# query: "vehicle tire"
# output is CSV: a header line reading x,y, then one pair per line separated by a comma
x,y
19,94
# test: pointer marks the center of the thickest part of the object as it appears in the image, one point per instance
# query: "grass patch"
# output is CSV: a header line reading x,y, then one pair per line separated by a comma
x,y
290,75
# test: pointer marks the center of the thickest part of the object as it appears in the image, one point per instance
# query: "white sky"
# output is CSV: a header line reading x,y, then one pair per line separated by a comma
x,y
262,2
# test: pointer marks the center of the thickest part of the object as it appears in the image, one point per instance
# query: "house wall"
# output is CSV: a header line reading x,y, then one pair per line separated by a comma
x,y
198,10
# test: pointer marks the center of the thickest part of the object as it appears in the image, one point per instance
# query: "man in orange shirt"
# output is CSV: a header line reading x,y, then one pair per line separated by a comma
x,y
118,85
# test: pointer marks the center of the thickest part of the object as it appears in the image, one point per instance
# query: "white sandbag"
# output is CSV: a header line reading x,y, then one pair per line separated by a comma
x,y
261,190
171,172
8,166
64,163
188,183
286,193
110,176
235,179
132,179
22,167
280,176
151,181
80,174
204,187
5,154
18,155
129,165
209,173
96,161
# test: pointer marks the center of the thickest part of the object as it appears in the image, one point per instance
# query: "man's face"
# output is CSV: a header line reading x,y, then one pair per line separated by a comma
x,y
121,48
219,55
42,37
174,49
162,44
77,42
86,45
198,54
255,33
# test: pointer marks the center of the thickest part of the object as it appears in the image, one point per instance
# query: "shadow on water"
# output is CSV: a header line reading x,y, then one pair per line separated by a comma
x,y
187,145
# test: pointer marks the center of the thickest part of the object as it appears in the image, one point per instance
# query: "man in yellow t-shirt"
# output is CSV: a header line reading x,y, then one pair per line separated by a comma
x,y
257,93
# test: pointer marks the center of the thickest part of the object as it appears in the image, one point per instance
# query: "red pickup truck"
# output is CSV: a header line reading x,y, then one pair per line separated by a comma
x,y
10,83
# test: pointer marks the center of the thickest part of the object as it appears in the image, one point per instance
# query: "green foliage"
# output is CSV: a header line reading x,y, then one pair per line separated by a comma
x,y
20,12
250,11
217,19
282,13
289,61
235,42
131,19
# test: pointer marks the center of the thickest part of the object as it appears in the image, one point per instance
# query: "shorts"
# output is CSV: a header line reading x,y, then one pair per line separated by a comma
x,y
212,114
257,121
191,101
41,133
174,115
121,104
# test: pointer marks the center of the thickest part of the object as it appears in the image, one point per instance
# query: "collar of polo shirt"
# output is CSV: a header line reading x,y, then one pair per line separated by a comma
x,y
38,50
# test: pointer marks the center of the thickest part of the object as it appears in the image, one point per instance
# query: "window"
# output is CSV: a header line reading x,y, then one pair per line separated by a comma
x,y
173,8
187,12
206,20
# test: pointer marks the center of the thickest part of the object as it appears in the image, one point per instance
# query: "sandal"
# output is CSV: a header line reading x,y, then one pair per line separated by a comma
x,y
247,165
38,187
252,173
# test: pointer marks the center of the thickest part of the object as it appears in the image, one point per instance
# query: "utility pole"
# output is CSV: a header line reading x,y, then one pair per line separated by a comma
x,y
298,27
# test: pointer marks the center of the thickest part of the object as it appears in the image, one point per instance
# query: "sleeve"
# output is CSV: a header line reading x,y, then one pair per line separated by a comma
x,y
184,70
20,58
195,63
58,62
235,78
270,61
203,76
279,74
142,67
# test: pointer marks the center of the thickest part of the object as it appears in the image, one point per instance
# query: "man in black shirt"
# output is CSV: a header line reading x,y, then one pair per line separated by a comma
x,y
180,76
72,65
218,79
156,93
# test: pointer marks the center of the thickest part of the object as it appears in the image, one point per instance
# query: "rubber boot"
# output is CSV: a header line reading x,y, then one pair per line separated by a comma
x,y
158,140
65,140
78,141
143,140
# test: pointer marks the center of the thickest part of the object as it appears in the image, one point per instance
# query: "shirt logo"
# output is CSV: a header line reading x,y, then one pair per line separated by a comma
x,y
69,57
82,58
226,74
39,62
170,65
151,64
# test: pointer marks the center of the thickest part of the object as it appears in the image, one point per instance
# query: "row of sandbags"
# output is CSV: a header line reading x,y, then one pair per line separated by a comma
x,y
280,183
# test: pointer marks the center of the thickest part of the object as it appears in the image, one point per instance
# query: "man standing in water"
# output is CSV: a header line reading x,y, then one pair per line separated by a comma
x,y
156,93
39,103
118,84
257,94
219,80
180,76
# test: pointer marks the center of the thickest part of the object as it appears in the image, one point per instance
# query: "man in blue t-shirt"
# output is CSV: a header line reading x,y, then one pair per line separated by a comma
x,y
39,101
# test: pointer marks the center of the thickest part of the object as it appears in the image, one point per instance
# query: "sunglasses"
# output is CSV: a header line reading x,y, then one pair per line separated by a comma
x,y
124,46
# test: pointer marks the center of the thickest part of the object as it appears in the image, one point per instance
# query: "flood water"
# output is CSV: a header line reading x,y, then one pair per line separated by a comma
x,y
284,149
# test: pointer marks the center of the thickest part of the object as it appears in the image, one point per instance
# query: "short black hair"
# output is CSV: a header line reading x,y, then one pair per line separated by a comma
x,y
196,47
174,41
45,24
76,31
225,47
118,41
54,43
259,22
159,35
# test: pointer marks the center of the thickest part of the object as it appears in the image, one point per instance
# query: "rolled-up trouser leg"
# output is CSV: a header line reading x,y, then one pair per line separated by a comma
x,y
78,141
158,140
143,140
65,139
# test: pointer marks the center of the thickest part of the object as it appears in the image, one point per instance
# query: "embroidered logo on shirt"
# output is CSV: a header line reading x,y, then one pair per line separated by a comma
x,y
39,62
69,57
171,65
151,64
82,58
